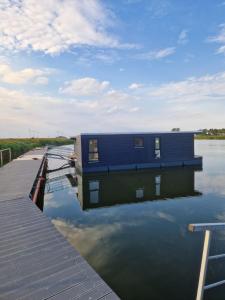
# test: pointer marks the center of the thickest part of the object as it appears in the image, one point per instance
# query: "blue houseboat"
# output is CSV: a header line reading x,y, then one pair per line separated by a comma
x,y
100,152
106,189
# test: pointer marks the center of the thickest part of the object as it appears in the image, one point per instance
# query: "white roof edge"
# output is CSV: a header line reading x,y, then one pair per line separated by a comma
x,y
147,132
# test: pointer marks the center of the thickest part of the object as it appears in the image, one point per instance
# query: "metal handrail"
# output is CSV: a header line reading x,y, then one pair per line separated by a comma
x,y
208,228
1,156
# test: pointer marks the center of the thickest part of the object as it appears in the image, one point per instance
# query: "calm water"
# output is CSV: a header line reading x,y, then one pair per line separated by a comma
x,y
132,226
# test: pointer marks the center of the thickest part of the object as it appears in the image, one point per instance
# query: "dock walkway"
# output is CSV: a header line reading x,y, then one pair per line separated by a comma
x,y
36,261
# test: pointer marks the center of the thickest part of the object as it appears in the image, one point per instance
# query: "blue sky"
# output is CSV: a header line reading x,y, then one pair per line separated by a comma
x,y
70,66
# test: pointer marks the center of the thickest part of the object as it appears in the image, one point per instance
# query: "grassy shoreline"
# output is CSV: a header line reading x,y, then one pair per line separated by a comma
x,y
20,146
210,137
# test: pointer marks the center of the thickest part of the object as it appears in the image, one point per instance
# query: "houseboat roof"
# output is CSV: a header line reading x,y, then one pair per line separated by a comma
x,y
141,133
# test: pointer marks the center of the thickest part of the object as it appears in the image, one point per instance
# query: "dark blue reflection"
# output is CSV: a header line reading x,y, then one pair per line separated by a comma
x,y
132,226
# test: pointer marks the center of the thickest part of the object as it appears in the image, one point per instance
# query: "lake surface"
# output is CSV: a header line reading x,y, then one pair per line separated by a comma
x,y
132,226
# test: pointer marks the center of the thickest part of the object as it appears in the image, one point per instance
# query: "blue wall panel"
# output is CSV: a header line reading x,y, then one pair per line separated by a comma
x,y
118,150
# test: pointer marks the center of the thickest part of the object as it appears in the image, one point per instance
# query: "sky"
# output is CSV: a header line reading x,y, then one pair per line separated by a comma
x,y
72,66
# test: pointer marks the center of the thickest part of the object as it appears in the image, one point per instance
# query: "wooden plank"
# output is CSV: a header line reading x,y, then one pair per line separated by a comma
x,y
31,245
18,176
17,231
97,293
31,251
24,239
26,235
111,296
35,264
36,261
48,283
78,289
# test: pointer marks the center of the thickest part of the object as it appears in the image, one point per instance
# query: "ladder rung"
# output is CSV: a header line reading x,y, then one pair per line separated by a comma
x,y
216,256
212,285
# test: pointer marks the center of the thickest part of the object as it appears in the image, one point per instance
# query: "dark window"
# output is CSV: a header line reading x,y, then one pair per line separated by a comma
x,y
138,142
94,191
140,193
157,148
93,150
157,185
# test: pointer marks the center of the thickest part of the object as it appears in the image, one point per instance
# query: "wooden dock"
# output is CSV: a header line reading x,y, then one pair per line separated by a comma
x,y
36,261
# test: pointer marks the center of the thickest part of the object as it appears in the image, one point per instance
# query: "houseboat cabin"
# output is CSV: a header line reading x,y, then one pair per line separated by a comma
x,y
100,152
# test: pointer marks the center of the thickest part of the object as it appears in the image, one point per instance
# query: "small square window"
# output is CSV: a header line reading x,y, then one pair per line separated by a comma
x,y
138,142
140,193
94,185
94,197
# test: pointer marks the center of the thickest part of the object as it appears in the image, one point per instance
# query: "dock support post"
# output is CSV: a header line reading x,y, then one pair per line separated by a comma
x,y
10,154
1,158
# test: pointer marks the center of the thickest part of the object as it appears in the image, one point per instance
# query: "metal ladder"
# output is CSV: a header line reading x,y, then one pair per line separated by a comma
x,y
208,228
61,153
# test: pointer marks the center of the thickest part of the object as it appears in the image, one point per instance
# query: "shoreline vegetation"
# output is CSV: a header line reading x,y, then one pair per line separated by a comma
x,y
209,137
211,134
21,145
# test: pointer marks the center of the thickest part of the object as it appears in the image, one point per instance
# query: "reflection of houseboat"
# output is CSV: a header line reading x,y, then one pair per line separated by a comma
x,y
126,151
105,189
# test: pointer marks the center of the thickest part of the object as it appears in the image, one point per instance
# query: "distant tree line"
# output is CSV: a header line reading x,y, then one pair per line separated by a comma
x,y
213,131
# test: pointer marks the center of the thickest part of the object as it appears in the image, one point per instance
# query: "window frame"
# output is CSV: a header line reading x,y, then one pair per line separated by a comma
x,y
138,191
158,180
94,191
157,145
94,152
138,138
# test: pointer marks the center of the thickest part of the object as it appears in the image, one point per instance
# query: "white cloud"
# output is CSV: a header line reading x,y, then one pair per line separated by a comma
x,y
87,57
135,86
8,75
134,109
157,54
159,9
84,87
108,57
78,235
212,184
197,102
220,39
44,114
182,38
194,89
221,50
41,80
54,26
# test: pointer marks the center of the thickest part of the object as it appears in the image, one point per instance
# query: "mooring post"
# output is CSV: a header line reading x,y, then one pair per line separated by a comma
x,y
1,158
10,154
